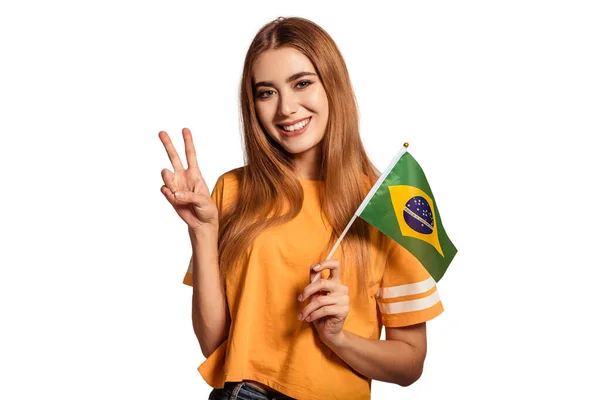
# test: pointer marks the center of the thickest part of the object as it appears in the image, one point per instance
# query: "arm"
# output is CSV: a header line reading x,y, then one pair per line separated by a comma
x,y
398,359
187,192
210,317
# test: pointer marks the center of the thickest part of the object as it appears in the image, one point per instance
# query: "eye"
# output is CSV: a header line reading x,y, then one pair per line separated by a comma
x,y
265,94
303,84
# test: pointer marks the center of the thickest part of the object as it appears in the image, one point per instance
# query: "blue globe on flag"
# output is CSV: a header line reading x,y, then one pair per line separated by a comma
x,y
418,216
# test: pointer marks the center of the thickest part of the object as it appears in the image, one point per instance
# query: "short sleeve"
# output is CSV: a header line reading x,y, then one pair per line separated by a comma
x,y
217,196
407,294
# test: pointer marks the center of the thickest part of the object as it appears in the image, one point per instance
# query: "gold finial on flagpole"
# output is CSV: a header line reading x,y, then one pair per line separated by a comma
x,y
406,145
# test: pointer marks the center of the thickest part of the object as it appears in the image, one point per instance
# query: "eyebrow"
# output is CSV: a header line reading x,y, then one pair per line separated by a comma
x,y
290,79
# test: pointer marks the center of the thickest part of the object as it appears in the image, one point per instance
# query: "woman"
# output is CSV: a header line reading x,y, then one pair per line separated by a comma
x,y
262,236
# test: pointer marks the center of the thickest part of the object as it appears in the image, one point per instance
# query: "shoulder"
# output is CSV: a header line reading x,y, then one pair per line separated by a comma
x,y
226,188
231,178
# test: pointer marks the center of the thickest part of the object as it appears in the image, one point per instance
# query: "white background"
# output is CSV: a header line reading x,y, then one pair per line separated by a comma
x,y
500,104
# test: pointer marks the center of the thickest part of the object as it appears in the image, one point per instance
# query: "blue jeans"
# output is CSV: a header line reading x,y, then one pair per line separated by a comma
x,y
244,391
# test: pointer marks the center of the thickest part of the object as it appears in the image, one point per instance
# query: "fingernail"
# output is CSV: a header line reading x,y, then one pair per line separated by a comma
x,y
317,267
178,195
300,298
299,317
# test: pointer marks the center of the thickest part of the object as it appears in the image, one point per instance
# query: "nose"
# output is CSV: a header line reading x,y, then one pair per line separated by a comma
x,y
288,104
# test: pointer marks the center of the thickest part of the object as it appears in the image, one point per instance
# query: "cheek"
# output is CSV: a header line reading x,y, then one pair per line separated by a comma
x,y
263,115
318,102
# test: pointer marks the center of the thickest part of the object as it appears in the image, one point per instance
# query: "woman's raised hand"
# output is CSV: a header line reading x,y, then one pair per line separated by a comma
x,y
185,189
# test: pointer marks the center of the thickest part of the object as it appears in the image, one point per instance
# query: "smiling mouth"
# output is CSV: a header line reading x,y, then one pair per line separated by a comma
x,y
298,126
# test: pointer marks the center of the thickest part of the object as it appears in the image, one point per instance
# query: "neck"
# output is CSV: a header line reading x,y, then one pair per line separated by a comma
x,y
307,165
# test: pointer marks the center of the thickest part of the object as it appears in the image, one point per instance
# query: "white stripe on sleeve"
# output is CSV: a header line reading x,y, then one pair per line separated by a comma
x,y
410,305
406,290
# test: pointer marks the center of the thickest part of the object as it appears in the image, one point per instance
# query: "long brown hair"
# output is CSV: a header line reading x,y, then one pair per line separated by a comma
x,y
267,183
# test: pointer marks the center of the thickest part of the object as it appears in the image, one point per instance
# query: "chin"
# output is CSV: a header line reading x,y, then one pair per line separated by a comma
x,y
299,145
299,148
296,151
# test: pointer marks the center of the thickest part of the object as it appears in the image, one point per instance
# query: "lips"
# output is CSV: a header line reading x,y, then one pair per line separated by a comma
x,y
293,122
297,132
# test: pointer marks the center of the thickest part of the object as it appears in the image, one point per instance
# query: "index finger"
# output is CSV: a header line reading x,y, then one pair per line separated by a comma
x,y
190,151
321,285
172,153
334,270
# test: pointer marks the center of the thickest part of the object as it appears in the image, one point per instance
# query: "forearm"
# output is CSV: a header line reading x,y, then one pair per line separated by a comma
x,y
392,361
210,318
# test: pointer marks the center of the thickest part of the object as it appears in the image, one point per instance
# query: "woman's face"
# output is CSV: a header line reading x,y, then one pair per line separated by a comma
x,y
290,100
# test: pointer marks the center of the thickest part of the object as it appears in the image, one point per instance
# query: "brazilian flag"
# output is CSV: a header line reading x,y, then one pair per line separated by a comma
x,y
402,206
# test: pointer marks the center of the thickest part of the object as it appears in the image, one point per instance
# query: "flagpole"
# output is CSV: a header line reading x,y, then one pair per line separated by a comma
x,y
364,204
335,246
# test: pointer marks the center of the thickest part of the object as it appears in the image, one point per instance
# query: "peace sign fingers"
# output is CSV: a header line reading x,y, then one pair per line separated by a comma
x,y
190,150
171,152
185,189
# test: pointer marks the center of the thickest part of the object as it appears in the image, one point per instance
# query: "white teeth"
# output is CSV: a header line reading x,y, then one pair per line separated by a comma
x,y
297,126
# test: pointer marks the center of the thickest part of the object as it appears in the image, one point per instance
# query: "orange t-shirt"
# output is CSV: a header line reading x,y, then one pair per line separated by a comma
x,y
266,342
